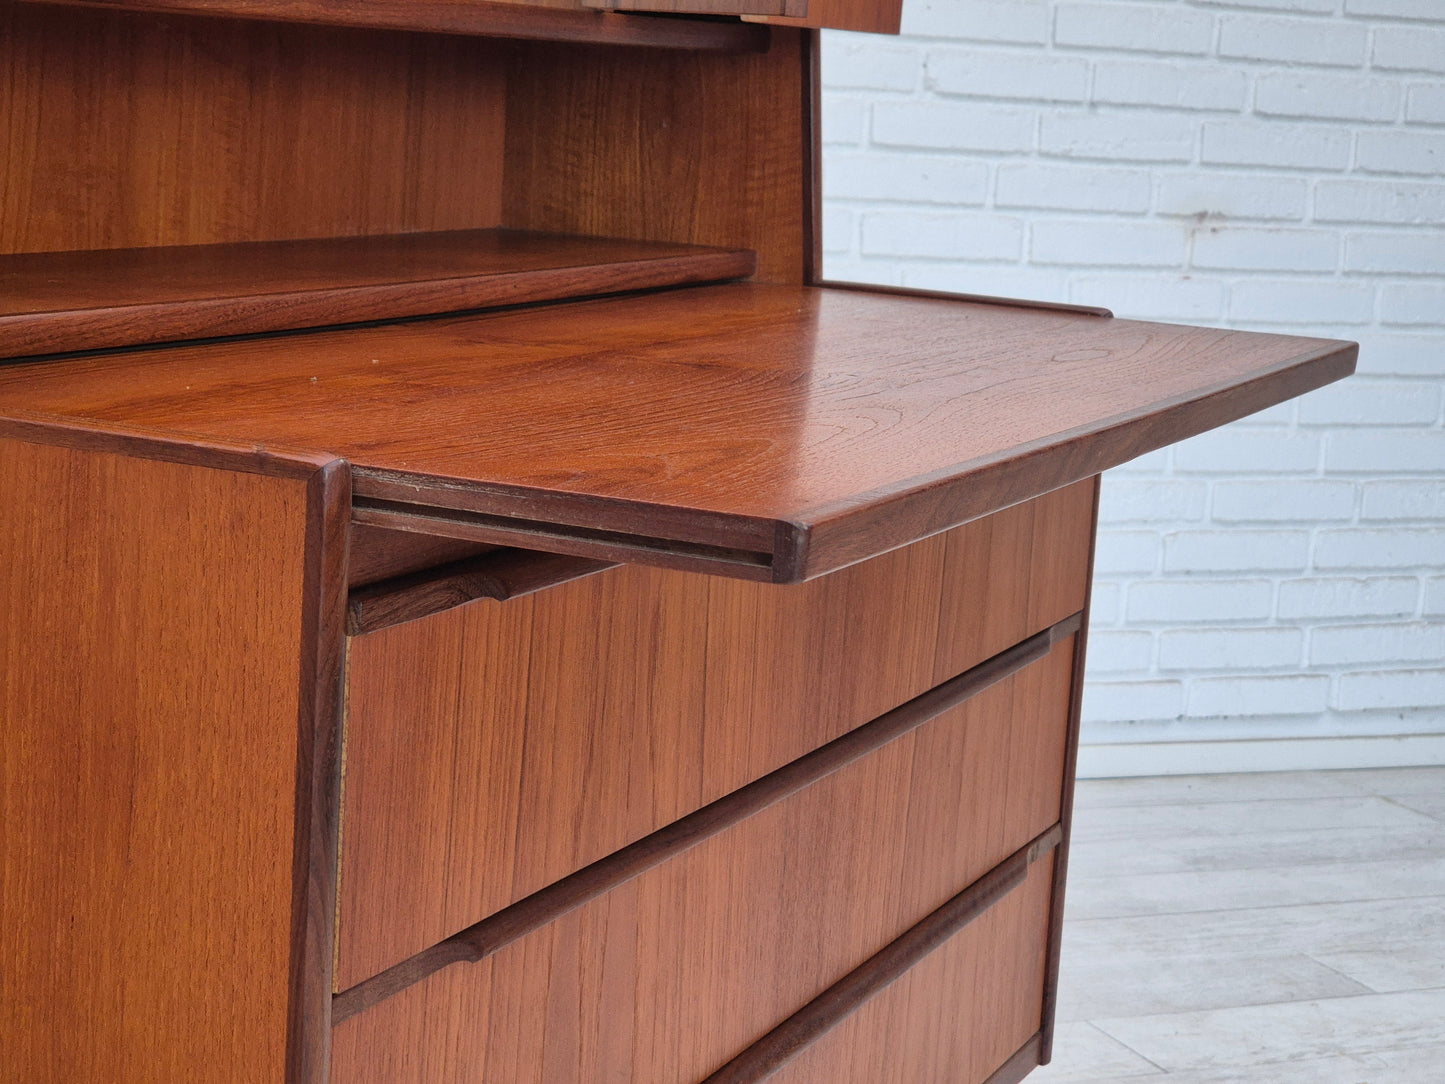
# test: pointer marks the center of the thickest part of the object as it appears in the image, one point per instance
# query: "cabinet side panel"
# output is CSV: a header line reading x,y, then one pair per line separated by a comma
x,y
151,625
120,130
695,148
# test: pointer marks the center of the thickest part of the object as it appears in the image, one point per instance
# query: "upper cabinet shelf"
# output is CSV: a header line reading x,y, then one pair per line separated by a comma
x,y
69,301
758,431
537,20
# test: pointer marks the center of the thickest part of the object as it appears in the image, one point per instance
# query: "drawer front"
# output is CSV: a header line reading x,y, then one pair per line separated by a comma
x,y
667,976
497,747
957,1016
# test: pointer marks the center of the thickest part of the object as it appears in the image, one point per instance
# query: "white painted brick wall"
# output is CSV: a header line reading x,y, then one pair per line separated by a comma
x,y
1267,164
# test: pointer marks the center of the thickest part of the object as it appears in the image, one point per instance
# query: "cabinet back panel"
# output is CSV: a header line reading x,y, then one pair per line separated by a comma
x,y
121,130
700,148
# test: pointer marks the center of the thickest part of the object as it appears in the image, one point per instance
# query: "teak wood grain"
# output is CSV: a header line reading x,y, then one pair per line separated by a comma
x,y
120,130
542,20
786,431
676,971
794,8
168,699
868,16
958,1015
54,302
699,149
497,747
595,880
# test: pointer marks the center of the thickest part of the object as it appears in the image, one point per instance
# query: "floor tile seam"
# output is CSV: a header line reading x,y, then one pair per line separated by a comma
x,y
1261,907
1114,1038
1330,999
1165,834
1226,910
1429,847
1400,801
1089,806
1361,982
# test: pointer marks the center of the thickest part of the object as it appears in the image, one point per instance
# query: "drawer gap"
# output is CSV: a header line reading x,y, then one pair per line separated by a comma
x,y
500,575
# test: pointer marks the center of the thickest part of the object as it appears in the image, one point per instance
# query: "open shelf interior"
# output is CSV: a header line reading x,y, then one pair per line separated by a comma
x,y
55,302
760,431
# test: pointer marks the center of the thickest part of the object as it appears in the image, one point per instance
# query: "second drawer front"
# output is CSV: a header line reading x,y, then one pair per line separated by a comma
x,y
667,976
495,748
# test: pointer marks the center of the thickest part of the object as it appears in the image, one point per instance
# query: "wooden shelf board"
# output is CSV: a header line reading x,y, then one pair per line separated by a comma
x,y
55,302
761,431
507,19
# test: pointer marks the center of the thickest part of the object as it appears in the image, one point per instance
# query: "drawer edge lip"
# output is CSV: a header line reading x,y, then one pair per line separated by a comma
x,y
870,978
486,937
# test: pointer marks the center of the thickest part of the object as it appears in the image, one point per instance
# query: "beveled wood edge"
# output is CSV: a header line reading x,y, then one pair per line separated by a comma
x,y
31,336
976,299
850,993
608,537
1024,1061
828,537
165,445
1066,798
499,575
316,840
486,937
472,18
844,533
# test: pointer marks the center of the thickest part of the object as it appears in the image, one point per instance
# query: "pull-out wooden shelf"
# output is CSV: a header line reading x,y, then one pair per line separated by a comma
x,y
52,302
765,432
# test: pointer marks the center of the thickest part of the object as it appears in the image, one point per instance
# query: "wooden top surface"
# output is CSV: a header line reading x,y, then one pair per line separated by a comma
x,y
53,302
798,428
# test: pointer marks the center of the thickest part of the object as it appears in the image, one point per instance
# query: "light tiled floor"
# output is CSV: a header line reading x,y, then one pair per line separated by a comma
x,y
1255,929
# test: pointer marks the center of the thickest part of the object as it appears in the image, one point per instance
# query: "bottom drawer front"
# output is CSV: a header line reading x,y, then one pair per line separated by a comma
x,y
667,976
958,1016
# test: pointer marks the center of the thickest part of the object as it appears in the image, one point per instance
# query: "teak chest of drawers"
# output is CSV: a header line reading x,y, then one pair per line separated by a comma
x,y
476,606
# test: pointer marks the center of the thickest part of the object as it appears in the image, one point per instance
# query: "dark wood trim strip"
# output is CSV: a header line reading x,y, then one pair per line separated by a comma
x,y
535,534
475,18
500,575
318,776
1066,815
850,993
1024,1061
812,114
499,930
977,299
165,446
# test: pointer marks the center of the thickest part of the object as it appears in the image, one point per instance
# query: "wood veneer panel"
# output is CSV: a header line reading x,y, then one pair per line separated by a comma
x,y
707,7
53,302
120,130
612,706
542,20
164,686
868,16
802,428
702,149
669,975
958,1016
